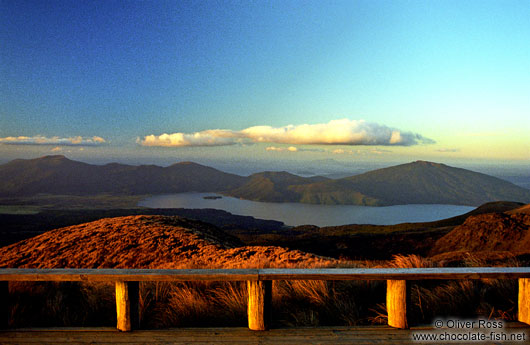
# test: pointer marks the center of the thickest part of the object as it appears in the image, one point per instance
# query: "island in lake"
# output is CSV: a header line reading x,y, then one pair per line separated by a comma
x,y
212,197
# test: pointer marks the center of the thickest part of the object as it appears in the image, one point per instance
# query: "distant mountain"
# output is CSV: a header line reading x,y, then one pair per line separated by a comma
x,y
273,186
60,175
413,183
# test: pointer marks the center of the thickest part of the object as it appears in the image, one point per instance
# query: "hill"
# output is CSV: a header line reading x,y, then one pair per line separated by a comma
x,y
272,186
365,241
520,210
60,175
17,227
413,183
146,242
491,232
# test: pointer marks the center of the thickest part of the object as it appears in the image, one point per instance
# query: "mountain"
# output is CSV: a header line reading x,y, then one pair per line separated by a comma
x,y
60,175
272,186
147,242
413,183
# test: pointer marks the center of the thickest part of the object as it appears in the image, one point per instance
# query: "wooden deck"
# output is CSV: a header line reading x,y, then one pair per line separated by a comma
x,y
320,335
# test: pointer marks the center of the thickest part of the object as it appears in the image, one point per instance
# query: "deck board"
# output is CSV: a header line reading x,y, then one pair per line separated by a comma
x,y
320,335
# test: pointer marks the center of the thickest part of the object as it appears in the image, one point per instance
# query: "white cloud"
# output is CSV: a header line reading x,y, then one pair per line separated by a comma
x,y
42,140
281,149
214,137
335,132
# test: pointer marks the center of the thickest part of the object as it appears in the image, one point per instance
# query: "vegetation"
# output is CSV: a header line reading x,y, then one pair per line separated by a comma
x,y
295,303
20,226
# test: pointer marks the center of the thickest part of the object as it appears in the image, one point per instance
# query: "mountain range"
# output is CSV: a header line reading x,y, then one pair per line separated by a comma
x,y
418,182
60,175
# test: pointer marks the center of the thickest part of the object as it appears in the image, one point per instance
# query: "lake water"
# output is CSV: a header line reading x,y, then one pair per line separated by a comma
x,y
299,214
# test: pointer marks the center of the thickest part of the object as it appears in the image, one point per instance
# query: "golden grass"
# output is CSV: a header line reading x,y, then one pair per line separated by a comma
x,y
409,261
295,303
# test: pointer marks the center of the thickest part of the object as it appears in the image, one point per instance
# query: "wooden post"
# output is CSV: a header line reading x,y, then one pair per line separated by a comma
x,y
524,300
127,294
4,305
259,304
396,303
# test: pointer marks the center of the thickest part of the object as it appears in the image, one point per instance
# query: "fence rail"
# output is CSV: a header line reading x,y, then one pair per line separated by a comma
x,y
259,285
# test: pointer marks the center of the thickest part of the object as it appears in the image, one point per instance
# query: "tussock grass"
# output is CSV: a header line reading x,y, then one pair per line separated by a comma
x,y
295,303
46,304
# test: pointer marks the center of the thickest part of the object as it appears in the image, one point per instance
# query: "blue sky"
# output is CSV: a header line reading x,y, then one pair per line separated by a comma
x,y
439,80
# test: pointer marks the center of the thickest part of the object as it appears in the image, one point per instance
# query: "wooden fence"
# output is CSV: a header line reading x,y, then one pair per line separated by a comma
x,y
259,284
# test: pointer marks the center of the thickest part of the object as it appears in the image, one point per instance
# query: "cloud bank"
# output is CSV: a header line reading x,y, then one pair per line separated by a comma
x,y
42,140
335,132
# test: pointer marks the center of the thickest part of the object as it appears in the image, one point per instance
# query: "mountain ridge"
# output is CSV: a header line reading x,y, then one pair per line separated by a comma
x,y
419,182
60,175
424,182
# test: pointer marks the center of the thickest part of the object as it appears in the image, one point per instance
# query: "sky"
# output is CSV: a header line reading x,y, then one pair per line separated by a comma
x,y
243,81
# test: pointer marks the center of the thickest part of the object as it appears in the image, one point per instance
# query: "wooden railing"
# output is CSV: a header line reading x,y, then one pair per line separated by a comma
x,y
259,284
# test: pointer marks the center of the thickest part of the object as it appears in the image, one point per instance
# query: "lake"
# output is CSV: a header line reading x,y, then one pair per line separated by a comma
x,y
299,214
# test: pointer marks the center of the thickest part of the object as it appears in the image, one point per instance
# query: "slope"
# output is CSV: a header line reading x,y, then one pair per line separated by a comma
x,y
146,242
507,231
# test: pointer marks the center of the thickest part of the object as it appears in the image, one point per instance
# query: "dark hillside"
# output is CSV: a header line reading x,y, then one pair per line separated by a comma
x,y
60,175
416,183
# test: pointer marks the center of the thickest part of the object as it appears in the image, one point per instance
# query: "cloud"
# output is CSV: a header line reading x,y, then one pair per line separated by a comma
x,y
42,140
377,151
214,137
281,149
56,149
380,151
335,132
448,150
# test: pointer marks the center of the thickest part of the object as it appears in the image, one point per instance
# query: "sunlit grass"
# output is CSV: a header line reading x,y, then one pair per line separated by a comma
x,y
295,303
